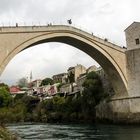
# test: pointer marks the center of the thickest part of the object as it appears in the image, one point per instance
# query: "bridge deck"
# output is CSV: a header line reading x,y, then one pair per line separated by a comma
x,y
59,28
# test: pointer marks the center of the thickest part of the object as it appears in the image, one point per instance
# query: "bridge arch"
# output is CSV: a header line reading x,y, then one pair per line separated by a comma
x,y
95,48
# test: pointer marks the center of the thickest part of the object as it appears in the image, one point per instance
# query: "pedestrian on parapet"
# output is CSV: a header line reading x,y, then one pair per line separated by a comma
x,y
16,24
33,26
69,21
50,24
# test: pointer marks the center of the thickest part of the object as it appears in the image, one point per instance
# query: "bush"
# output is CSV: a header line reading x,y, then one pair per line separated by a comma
x,y
5,97
6,135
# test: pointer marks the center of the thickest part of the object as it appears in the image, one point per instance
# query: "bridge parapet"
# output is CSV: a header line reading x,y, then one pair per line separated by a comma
x,y
59,28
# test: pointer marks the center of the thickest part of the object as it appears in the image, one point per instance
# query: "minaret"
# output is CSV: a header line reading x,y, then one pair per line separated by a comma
x,y
31,77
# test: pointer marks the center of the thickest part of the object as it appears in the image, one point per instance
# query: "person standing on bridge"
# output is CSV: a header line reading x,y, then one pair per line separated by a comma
x,y
69,21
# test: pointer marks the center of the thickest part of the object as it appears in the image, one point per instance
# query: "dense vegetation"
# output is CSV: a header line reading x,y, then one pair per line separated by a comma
x,y
46,81
79,107
6,135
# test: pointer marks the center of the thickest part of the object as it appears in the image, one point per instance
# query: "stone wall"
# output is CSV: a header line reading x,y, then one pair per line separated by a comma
x,y
125,110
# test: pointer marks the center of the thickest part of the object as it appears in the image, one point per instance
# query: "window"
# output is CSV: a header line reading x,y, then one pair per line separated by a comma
x,y
137,41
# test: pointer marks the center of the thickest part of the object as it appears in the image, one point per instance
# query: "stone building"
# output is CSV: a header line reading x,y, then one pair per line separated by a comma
x,y
105,81
66,88
53,89
132,34
91,68
60,78
35,83
80,81
104,77
43,89
77,71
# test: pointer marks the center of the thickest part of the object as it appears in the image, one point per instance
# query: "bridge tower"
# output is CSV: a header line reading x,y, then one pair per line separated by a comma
x,y
127,109
133,58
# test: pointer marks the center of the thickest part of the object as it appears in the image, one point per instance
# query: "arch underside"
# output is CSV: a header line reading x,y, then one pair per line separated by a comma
x,y
108,67
92,50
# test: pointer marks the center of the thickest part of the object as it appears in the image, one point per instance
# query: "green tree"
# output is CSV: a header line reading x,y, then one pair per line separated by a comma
x,y
93,88
46,81
4,86
23,82
29,102
59,86
5,97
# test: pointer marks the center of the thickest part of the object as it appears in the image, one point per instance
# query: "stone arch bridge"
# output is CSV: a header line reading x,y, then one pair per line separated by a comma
x,y
112,58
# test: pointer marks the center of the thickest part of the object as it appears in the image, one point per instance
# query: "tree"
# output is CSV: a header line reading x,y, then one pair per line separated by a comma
x,y
5,97
59,86
22,82
3,85
93,88
46,81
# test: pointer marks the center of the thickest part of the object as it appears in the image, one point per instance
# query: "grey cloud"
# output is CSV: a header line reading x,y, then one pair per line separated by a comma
x,y
52,11
7,6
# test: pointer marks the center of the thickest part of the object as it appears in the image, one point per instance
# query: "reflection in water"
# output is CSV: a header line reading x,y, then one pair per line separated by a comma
x,y
75,132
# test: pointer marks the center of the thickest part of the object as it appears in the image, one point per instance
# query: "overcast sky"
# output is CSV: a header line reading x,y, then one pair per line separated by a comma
x,y
105,18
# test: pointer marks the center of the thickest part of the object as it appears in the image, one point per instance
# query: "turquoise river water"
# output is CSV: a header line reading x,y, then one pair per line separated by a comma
x,y
75,132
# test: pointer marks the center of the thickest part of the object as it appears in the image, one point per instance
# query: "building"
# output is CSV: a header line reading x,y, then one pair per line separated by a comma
x,y
76,71
65,78
67,88
53,90
104,78
45,89
100,72
35,83
132,34
15,90
34,87
91,68
80,81
82,77
60,78
75,88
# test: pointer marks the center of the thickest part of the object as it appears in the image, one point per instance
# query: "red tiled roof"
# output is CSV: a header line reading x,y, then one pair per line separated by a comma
x,y
14,89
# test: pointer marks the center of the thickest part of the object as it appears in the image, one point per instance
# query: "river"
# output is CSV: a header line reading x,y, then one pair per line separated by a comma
x,y
75,132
